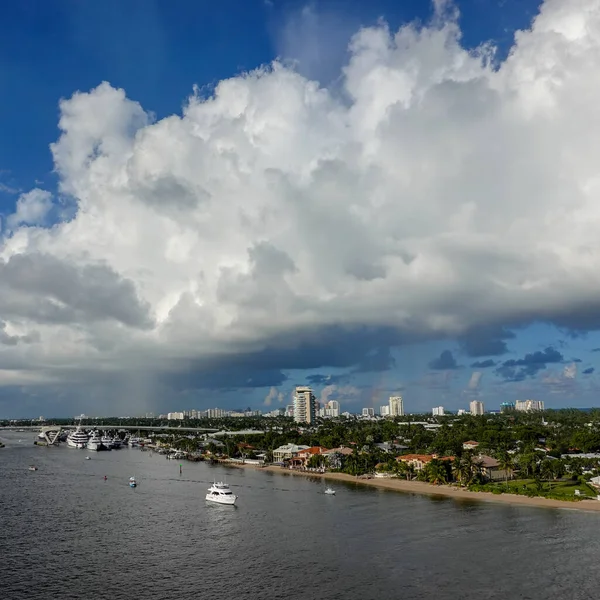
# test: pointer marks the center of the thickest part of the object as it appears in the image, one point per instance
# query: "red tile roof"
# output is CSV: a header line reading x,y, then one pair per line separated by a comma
x,y
313,450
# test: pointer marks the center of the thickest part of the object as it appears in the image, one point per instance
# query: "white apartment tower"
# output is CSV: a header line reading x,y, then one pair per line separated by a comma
x,y
305,405
368,412
396,406
476,407
332,409
529,405
438,411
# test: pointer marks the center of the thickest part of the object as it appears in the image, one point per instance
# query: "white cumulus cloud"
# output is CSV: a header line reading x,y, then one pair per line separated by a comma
x,y
435,195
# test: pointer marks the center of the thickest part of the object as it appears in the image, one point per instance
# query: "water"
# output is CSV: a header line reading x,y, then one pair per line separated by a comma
x,y
66,533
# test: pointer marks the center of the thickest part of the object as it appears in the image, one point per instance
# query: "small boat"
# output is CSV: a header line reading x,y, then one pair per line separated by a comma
x,y
221,494
132,482
32,468
329,491
87,458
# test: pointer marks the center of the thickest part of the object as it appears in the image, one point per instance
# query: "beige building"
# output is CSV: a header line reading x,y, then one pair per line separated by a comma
x,y
477,407
305,405
396,406
287,451
529,405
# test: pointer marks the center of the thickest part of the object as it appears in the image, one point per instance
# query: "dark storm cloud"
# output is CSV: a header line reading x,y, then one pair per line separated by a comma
x,y
444,362
46,290
361,349
595,350
486,341
576,360
227,377
483,364
529,365
320,379
588,371
378,360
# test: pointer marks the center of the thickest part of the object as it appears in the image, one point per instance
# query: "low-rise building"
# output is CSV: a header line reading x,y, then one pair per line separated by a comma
x,y
420,461
470,445
490,468
301,458
336,455
287,451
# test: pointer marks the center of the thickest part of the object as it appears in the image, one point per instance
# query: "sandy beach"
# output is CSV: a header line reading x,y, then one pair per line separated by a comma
x,y
419,487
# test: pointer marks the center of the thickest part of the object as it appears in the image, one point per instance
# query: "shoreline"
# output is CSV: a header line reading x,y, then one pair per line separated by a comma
x,y
428,489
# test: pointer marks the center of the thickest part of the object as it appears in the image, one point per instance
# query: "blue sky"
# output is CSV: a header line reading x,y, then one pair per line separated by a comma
x,y
157,51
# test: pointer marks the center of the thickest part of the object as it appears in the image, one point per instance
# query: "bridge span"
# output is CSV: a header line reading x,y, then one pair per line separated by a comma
x,y
118,427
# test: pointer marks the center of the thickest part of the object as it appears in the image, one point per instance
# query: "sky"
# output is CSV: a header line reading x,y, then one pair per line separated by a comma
x,y
207,204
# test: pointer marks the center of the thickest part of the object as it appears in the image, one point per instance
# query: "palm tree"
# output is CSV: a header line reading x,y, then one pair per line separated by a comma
x,y
506,463
436,472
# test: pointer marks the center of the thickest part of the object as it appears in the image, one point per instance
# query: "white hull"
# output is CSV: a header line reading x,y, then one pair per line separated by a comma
x,y
221,499
78,445
94,446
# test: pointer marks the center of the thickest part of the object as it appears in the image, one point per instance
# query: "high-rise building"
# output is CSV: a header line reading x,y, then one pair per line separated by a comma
x,y
384,410
477,407
507,407
305,409
529,405
368,412
215,413
175,416
332,409
396,406
437,411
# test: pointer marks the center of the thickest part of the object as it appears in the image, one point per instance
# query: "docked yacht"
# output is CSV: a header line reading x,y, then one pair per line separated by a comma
x,y
116,442
107,442
77,439
94,442
221,494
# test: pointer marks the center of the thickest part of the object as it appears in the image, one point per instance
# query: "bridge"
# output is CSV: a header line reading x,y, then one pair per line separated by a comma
x,y
126,427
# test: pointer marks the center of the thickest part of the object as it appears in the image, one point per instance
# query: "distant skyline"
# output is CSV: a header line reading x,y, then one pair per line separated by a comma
x,y
207,205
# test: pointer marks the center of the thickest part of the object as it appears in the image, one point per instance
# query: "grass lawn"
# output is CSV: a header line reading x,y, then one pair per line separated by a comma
x,y
560,488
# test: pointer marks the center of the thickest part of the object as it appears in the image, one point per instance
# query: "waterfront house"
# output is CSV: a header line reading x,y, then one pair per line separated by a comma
x,y
470,445
336,455
419,461
287,451
301,458
490,468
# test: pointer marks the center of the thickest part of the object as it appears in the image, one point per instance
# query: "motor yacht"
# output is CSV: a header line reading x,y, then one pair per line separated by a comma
x,y
221,494
77,439
94,442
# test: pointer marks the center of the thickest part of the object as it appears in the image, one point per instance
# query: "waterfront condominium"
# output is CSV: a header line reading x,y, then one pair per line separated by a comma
x,y
438,411
529,405
396,406
305,405
477,407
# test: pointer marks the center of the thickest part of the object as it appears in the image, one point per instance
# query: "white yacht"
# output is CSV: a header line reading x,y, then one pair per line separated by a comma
x,y
116,442
107,441
77,439
329,491
94,442
221,494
